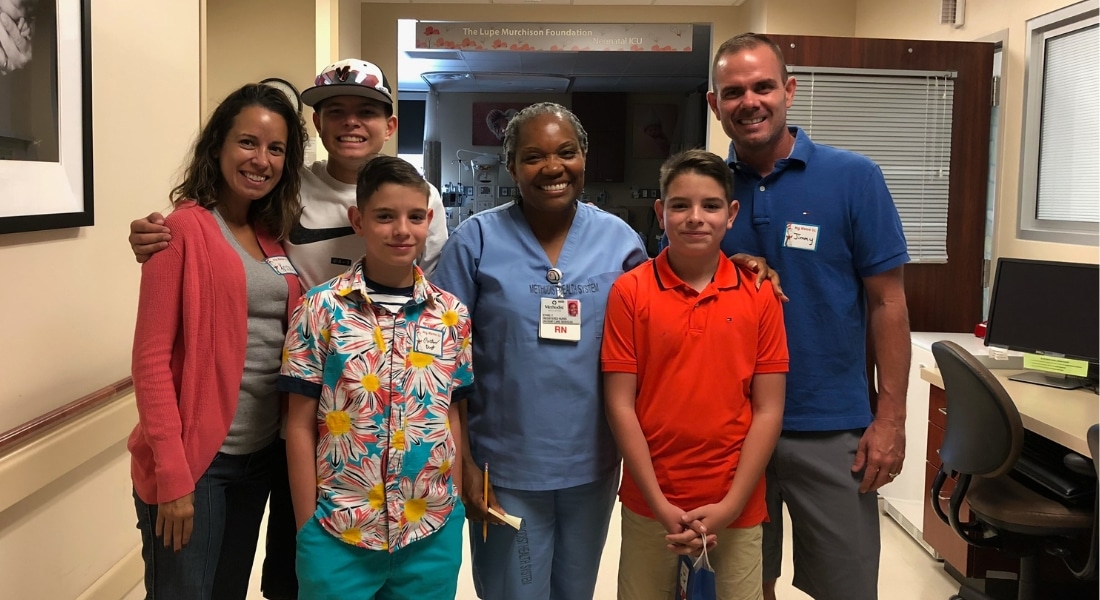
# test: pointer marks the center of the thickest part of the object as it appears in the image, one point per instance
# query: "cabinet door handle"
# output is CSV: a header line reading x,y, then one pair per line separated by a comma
x,y
943,411
944,498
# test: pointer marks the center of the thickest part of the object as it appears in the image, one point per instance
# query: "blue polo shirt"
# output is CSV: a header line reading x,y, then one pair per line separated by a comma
x,y
536,414
824,219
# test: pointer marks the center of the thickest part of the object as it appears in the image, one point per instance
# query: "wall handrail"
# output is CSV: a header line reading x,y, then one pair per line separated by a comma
x,y
64,414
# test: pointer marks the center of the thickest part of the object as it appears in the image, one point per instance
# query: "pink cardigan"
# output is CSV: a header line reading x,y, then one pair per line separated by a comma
x,y
189,351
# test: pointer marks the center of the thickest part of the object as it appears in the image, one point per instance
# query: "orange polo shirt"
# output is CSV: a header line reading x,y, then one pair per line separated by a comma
x,y
695,355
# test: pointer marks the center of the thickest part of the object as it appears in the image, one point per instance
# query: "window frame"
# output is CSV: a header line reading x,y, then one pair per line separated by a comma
x,y
1029,227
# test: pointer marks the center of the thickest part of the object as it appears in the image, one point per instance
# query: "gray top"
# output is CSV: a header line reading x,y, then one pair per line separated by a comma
x,y
256,423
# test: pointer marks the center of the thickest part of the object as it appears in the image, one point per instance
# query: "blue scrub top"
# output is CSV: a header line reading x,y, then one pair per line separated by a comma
x,y
536,412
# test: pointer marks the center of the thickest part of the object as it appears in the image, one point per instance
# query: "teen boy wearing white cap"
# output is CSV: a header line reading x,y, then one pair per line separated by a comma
x,y
353,112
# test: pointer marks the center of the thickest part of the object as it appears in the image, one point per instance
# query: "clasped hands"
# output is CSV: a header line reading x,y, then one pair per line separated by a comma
x,y
687,529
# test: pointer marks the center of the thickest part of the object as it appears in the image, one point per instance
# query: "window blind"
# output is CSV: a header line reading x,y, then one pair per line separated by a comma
x,y
902,122
1069,174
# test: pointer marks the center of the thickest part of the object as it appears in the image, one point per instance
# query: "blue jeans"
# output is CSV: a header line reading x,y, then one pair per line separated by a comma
x,y
229,505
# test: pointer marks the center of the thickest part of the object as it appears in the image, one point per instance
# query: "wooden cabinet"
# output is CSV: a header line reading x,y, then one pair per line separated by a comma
x,y
968,560
603,115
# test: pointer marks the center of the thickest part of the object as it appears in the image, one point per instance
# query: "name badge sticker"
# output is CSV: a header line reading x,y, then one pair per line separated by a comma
x,y
429,341
281,265
560,319
800,236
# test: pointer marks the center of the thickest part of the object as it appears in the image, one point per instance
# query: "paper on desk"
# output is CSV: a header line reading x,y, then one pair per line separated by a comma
x,y
514,521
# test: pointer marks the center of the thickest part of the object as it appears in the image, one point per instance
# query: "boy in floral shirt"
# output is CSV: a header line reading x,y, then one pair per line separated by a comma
x,y
370,361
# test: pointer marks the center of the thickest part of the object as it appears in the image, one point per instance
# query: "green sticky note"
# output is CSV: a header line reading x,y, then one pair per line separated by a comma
x,y
1054,364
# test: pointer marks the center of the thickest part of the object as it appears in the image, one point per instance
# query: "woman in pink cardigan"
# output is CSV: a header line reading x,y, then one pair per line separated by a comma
x,y
211,320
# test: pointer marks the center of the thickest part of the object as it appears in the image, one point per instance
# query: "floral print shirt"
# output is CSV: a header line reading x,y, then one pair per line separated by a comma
x,y
383,382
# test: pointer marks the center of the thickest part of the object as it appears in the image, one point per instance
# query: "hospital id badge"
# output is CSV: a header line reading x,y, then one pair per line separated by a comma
x,y
560,319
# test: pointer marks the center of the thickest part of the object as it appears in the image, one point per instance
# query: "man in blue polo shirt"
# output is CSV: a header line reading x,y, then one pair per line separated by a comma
x,y
825,220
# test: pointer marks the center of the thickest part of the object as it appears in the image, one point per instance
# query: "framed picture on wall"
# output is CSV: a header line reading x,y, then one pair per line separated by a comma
x,y
45,115
490,119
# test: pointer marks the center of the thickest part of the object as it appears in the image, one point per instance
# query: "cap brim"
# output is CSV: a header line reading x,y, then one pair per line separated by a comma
x,y
317,93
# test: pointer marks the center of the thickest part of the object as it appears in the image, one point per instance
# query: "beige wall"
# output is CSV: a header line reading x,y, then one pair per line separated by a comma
x,y
250,40
835,18
67,313
1006,19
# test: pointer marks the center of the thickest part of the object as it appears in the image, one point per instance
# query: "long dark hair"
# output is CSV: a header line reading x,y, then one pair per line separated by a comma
x,y
202,180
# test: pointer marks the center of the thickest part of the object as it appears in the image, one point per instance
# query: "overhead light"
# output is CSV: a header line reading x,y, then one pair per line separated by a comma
x,y
434,54
445,76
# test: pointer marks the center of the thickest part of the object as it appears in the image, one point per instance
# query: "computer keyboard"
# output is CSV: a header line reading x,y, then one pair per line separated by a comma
x,y
1042,467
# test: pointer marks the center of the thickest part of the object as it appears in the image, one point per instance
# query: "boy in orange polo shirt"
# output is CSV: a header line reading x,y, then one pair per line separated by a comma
x,y
694,359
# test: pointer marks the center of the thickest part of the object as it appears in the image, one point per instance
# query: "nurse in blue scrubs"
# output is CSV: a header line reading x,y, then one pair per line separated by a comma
x,y
535,274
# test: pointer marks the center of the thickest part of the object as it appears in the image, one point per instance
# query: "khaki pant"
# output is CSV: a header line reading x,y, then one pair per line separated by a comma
x,y
648,570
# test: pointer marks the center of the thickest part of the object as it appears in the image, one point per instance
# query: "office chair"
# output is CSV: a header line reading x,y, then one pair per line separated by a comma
x,y
982,440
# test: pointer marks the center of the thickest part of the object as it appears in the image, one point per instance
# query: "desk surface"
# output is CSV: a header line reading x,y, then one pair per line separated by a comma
x,y
1060,415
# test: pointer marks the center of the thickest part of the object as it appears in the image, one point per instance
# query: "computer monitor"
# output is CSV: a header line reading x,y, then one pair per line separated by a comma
x,y
1046,307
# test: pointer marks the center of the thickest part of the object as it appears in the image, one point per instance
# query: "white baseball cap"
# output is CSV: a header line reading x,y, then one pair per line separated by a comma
x,y
349,77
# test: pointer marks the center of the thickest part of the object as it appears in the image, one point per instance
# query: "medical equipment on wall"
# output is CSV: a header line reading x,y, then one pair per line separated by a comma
x,y
481,191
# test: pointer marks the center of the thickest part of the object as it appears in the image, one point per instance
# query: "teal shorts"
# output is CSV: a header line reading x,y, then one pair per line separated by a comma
x,y
328,568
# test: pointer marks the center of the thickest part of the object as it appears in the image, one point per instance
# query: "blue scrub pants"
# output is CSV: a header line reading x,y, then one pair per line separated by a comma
x,y
556,554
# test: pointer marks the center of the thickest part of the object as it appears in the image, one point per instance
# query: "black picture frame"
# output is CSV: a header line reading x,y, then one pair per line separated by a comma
x,y
35,182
